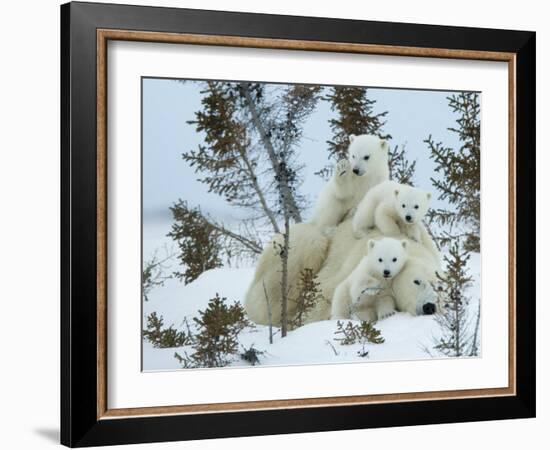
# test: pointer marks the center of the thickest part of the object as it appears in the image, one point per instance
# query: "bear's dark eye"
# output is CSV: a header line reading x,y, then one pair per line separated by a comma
x,y
379,259
394,259
415,206
366,157
417,282
403,205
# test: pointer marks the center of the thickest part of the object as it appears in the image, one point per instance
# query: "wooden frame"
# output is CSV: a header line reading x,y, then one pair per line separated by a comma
x,y
86,419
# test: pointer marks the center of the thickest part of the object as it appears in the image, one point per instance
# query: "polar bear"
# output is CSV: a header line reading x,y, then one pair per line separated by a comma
x,y
332,260
413,289
366,166
344,254
395,208
307,249
359,293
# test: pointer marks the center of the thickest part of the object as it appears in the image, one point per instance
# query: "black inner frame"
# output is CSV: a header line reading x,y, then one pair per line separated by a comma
x,y
79,423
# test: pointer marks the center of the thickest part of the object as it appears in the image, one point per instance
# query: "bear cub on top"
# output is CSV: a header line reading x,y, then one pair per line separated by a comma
x,y
394,209
365,167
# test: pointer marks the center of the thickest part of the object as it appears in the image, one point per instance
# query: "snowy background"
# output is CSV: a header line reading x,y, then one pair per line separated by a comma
x,y
412,116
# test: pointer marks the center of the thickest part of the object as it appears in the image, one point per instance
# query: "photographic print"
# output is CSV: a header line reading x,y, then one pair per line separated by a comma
x,y
291,224
299,199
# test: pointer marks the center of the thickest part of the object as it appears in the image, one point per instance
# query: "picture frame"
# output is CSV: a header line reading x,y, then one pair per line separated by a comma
x,y
86,418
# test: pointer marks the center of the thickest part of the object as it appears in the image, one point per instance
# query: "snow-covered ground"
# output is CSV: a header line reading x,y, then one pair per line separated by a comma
x,y
406,336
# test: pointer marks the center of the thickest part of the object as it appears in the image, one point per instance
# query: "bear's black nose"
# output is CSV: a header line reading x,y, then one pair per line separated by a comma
x,y
428,309
408,218
356,171
387,273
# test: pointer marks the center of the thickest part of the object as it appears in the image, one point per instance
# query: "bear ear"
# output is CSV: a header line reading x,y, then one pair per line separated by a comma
x,y
404,243
371,244
396,192
384,145
352,138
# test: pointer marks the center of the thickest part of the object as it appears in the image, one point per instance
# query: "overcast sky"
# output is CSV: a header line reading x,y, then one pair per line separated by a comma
x,y
167,105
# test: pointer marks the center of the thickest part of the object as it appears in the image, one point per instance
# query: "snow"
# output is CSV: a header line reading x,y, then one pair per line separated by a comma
x,y
176,301
166,177
406,337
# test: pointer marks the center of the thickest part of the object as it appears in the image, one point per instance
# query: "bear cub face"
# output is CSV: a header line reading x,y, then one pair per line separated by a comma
x,y
411,204
365,153
386,257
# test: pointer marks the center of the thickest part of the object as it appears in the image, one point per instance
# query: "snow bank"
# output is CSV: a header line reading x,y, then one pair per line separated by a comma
x,y
406,336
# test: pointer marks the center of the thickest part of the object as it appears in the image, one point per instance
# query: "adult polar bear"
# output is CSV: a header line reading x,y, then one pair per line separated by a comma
x,y
366,166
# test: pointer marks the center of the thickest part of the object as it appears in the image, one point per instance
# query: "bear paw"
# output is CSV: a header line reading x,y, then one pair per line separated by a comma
x,y
413,234
386,313
342,168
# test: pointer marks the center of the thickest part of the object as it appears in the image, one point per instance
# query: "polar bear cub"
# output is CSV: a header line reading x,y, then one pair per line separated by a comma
x,y
365,167
365,293
394,209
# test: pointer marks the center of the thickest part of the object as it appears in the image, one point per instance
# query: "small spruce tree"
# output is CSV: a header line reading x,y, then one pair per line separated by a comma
x,y
227,161
454,320
354,115
198,242
162,337
351,333
215,342
250,130
298,102
460,170
309,295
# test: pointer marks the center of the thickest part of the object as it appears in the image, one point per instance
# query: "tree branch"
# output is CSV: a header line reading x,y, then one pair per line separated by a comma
x,y
254,179
285,189
251,245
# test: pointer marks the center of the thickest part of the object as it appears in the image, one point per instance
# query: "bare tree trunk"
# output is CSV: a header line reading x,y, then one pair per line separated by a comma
x,y
269,316
286,192
284,277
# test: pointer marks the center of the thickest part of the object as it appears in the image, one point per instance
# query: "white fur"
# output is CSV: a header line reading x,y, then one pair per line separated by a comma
x,y
366,166
412,289
307,249
394,209
345,253
360,293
